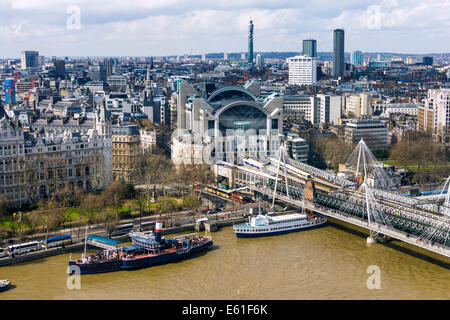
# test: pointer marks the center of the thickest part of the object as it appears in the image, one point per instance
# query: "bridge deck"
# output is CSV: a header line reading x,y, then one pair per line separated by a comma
x,y
377,227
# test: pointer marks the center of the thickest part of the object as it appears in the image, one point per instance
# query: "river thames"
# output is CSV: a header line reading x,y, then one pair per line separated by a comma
x,y
326,263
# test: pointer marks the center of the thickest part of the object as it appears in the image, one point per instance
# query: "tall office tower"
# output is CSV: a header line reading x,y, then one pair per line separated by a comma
x,y
243,56
250,42
259,60
60,67
357,58
30,59
203,57
338,53
108,66
97,72
427,61
302,70
310,48
225,56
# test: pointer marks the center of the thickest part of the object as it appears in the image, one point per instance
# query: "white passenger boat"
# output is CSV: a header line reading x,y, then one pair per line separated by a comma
x,y
264,225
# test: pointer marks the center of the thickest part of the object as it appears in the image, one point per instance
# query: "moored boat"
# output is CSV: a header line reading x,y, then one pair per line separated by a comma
x,y
148,249
5,285
264,225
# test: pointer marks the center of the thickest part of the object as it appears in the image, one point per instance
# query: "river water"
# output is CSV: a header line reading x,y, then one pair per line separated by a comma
x,y
326,263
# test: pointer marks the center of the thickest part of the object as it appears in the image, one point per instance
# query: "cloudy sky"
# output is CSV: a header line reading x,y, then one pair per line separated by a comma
x,y
176,27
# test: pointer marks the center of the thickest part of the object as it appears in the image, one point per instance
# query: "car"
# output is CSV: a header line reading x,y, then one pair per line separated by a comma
x,y
211,211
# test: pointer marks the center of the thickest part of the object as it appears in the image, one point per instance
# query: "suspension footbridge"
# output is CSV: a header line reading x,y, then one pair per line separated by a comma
x,y
370,200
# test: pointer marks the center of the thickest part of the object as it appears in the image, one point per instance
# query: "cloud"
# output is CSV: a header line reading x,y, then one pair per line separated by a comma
x,y
163,27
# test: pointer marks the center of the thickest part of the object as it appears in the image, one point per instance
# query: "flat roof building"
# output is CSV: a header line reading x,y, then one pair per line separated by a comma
x,y
373,132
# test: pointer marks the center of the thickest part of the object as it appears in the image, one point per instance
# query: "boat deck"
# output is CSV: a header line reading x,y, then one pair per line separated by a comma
x,y
148,255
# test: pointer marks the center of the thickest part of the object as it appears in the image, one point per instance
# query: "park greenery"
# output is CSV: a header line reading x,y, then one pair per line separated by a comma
x,y
159,189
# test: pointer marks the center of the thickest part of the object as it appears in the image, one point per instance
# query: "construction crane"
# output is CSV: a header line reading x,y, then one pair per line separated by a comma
x,y
35,81
10,90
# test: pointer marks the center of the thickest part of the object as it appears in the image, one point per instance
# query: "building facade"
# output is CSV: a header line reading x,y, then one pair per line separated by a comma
x,y
357,58
310,48
338,53
30,59
33,167
302,70
330,108
357,105
125,150
434,115
233,123
373,132
297,108
297,147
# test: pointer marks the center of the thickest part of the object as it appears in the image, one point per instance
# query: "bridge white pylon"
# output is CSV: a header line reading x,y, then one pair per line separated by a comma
x,y
282,157
373,213
368,168
445,209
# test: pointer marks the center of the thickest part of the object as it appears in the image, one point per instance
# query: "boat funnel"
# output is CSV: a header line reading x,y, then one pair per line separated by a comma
x,y
158,231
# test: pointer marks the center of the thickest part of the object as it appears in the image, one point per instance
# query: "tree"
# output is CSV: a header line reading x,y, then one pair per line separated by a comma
x,y
326,151
153,169
7,209
428,158
66,197
114,195
6,206
199,175
90,206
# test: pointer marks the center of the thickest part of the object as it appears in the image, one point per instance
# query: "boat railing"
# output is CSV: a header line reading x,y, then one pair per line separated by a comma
x,y
185,236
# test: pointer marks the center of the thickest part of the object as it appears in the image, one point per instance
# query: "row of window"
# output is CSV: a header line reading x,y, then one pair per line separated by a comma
x,y
271,229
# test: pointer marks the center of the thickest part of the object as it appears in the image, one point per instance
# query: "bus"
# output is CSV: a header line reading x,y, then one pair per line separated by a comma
x,y
57,241
120,230
148,225
21,248
2,252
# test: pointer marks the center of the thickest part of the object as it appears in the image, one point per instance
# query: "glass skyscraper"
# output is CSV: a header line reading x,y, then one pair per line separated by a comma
x,y
338,53
357,58
310,48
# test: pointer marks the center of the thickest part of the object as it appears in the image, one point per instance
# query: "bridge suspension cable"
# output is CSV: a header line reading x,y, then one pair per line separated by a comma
x,y
362,159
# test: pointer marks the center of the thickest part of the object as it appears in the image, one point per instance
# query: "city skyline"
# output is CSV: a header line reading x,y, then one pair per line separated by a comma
x,y
176,28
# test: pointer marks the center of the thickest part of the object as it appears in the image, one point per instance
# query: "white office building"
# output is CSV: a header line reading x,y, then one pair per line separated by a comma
x,y
302,70
259,60
358,105
301,107
329,108
437,107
